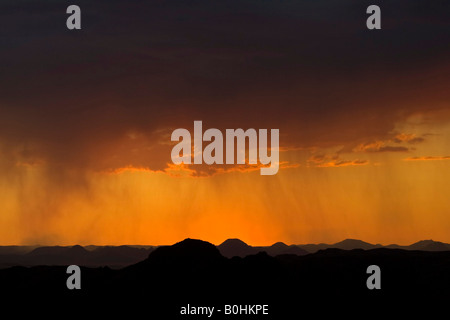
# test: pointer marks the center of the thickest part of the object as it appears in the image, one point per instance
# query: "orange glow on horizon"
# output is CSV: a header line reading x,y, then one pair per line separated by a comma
x,y
317,196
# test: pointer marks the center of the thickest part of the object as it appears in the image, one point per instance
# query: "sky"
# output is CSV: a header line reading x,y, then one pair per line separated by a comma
x,y
86,118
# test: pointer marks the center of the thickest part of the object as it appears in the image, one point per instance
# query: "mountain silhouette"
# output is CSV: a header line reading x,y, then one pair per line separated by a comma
x,y
6,250
188,255
429,245
117,257
347,244
423,245
195,272
276,248
47,251
235,247
238,248
189,250
351,244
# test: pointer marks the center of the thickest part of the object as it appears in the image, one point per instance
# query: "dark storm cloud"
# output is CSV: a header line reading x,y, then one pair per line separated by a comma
x,y
310,68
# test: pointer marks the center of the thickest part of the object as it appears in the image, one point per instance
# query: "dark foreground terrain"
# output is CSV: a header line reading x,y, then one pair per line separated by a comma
x,y
329,282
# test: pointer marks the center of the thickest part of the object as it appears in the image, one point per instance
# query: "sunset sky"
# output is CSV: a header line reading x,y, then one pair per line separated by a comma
x,y
86,118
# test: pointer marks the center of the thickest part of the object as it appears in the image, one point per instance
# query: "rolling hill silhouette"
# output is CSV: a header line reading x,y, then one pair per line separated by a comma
x,y
121,256
350,244
429,245
187,253
11,250
347,244
235,247
195,272
114,257
238,248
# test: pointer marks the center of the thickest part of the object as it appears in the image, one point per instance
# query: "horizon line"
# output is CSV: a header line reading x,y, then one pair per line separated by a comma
x,y
162,245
